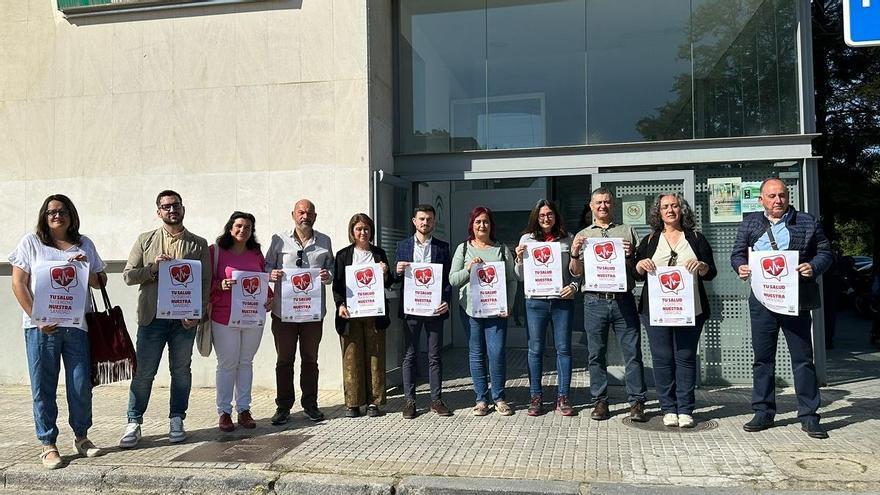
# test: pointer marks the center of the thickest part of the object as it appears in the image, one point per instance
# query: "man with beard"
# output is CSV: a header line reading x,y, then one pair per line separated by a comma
x,y
302,247
423,247
168,242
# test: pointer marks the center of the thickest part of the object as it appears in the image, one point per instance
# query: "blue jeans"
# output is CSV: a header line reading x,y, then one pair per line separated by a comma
x,y
44,353
540,312
621,315
765,335
151,341
486,336
674,353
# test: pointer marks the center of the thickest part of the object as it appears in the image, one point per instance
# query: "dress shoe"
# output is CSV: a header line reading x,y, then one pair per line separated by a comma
x,y
759,422
409,409
373,411
282,414
352,412
600,411
440,408
246,420
226,423
814,429
637,412
313,413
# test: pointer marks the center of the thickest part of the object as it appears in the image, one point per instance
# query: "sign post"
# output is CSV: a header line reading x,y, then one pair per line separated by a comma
x,y
861,22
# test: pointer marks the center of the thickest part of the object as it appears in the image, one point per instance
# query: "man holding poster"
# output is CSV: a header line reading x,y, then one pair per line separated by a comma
x,y
153,250
424,248
604,308
780,227
299,261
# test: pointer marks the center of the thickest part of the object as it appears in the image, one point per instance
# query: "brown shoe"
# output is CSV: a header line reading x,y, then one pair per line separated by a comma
x,y
600,411
440,408
536,406
409,409
563,406
246,420
226,423
637,412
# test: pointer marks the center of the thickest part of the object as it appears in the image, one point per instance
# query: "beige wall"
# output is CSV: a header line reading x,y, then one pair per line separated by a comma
x,y
243,107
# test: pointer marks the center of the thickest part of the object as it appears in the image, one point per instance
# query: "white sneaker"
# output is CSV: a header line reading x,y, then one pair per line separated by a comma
x,y
670,419
686,421
132,435
176,433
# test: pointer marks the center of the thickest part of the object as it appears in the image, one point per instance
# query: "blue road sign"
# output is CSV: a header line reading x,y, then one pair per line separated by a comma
x,y
861,22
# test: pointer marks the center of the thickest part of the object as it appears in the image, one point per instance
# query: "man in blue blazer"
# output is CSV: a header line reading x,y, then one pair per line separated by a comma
x,y
781,227
423,247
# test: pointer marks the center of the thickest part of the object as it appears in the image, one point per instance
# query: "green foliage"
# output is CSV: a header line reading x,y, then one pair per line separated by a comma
x,y
853,238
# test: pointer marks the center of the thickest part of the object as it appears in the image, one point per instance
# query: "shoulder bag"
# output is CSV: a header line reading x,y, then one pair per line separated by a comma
x,y
113,356
204,335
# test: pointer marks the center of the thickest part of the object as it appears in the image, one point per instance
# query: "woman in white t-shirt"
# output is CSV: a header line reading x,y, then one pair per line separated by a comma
x,y
57,238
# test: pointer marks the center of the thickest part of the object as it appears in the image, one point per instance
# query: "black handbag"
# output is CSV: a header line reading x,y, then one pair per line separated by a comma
x,y
113,356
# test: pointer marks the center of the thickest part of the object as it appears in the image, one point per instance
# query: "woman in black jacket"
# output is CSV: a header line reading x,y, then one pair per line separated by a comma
x,y
674,242
363,338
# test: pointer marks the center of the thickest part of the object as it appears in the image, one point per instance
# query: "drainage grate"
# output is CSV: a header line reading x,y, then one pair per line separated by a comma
x,y
655,423
264,449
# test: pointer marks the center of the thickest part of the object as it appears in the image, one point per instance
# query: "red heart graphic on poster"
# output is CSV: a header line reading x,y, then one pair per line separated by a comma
x,y
251,285
63,276
671,280
543,255
487,275
423,276
180,273
604,251
301,282
364,277
774,265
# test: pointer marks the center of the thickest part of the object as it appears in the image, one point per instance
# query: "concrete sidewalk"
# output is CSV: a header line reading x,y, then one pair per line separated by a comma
x,y
466,454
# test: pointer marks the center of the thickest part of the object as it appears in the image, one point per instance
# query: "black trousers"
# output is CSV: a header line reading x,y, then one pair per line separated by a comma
x,y
412,330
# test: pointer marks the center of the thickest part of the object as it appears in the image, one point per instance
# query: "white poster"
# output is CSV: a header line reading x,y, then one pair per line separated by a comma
x,y
604,264
301,299
365,290
180,290
60,292
542,267
671,290
422,288
488,287
725,199
775,280
634,212
249,294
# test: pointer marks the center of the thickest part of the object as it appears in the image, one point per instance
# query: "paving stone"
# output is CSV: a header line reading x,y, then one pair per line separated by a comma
x,y
331,484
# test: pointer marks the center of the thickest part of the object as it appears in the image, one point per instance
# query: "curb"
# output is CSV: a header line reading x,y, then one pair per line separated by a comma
x,y
436,485
332,484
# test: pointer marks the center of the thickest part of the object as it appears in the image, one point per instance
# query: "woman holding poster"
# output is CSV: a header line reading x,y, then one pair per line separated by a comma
x,y
363,338
674,242
57,239
486,334
236,250
542,258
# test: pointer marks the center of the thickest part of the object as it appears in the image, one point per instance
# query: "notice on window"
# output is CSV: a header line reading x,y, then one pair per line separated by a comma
x,y
604,264
542,269
488,287
750,193
422,288
634,212
671,293
774,280
301,299
365,290
180,290
60,293
725,202
249,294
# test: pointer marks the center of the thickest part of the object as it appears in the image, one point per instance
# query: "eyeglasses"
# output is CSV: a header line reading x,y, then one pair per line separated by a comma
x,y
547,215
171,206
299,258
57,213
673,257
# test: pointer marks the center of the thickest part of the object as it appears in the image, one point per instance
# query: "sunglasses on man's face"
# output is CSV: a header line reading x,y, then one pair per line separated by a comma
x,y
673,258
299,258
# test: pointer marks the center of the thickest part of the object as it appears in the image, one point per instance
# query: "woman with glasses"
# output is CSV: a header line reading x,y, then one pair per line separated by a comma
x,y
486,335
363,338
235,249
57,238
546,225
674,242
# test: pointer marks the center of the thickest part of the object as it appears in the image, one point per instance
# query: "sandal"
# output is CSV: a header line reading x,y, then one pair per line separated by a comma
x,y
481,409
503,408
49,461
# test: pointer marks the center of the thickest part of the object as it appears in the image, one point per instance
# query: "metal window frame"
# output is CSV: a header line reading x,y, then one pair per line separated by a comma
x,y
141,6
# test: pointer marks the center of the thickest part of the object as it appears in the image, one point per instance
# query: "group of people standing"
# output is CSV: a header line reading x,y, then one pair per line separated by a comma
x,y
672,241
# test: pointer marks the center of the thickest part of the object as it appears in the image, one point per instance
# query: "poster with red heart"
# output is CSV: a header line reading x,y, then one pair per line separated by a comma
x,y
180,290
542,269
60,293
422,288
604,264
365,290
301,299
249,294
488,287
774,280
671,293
